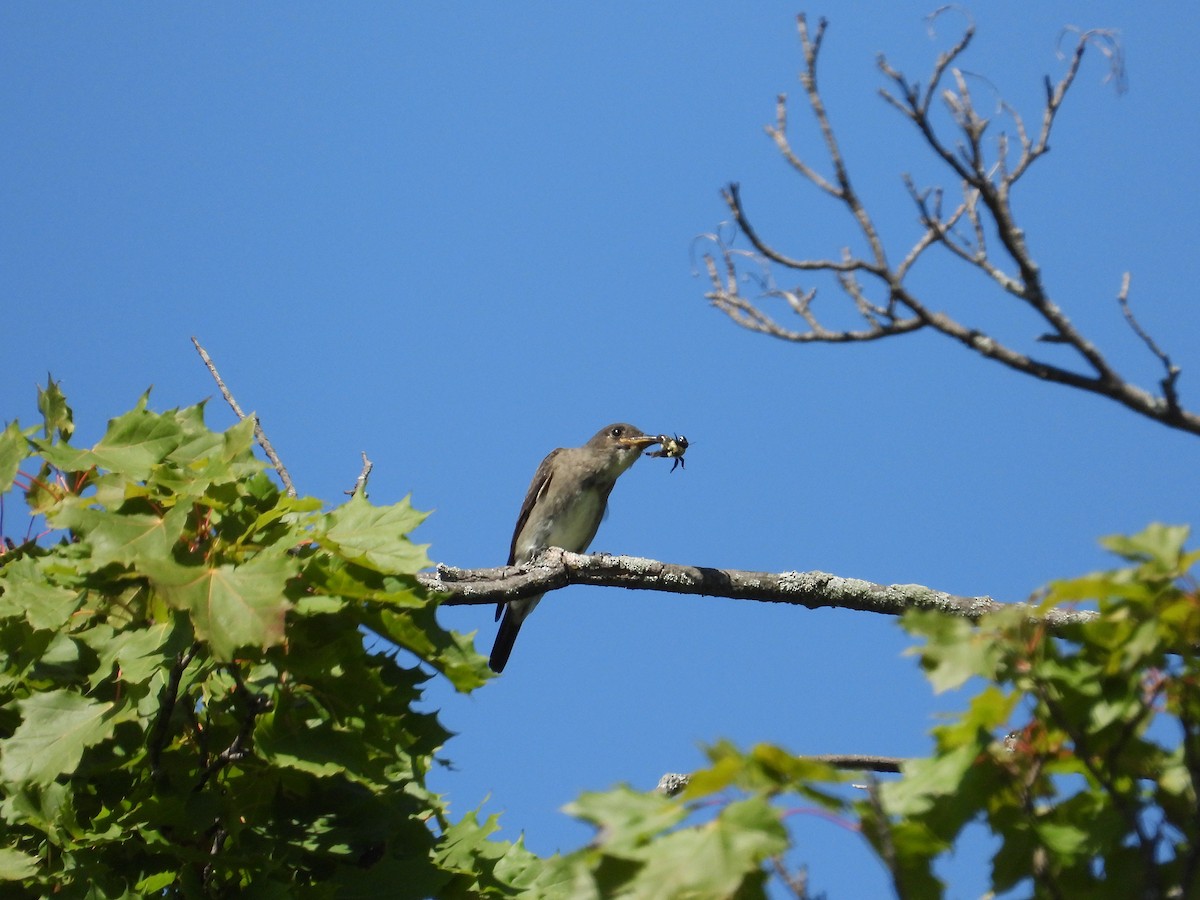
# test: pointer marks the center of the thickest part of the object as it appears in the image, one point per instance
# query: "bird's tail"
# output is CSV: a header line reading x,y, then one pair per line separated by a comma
x,y
515,612
510,627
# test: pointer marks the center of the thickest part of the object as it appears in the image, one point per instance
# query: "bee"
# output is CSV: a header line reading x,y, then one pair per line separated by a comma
x,y
673,448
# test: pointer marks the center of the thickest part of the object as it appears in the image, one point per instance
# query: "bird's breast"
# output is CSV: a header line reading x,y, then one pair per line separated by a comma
x,y
569,525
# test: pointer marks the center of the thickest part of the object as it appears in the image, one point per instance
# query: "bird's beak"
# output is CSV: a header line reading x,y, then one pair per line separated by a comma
x,y
645,440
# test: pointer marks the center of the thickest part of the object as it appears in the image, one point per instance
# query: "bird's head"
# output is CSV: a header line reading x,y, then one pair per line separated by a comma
x,y
622,437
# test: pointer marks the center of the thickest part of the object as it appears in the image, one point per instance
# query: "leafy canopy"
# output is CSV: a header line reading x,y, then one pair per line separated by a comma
x,y
186,703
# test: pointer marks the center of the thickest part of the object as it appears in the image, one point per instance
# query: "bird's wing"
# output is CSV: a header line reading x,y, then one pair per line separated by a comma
x,y
541,481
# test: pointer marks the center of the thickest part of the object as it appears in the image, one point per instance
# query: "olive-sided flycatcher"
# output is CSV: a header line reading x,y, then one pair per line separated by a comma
x,y
563,508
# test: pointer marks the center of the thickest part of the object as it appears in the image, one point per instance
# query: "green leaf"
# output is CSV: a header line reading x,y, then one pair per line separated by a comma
x,y
467,839
56,414
715,778
231,606
56,727
138,653
15,865
134,443
927,781
285,508
318,749
956,650
450,653
152,884
14,450
27,591
375,536
627,818
122,537
719,859
1157,543
1064,840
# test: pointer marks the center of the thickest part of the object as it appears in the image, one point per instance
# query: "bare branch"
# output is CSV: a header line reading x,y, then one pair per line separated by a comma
x,y
744,311
860,762
915,105
811,46
778,134
985,208
1172,370
733,198
360,483
259,434
555,568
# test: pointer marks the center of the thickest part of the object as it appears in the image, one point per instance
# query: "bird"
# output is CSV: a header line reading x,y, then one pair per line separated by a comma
x,y
563,508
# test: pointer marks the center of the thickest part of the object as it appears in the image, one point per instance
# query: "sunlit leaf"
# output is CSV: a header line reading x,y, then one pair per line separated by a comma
x,y
56,727
15,865
231,606
14,450
1157,543
376,536
133,444
27,591
56,414
123,537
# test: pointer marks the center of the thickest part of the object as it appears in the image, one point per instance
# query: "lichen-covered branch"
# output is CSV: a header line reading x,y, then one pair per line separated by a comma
x,y
555,568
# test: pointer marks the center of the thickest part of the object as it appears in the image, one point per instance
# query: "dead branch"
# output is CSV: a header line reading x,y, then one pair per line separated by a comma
x,y
360,483
986,170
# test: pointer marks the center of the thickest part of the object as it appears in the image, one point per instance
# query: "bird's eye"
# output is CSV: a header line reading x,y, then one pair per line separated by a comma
x,y
616,432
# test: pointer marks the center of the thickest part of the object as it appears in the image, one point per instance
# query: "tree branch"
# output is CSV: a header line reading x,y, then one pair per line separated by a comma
x,y
987,177
239,747
170,696
360,483
555,568
860,762
259,434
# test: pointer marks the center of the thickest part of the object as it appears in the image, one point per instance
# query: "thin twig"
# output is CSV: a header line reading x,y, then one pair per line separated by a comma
x,y
239,748
1170,391
887,847
796,882
860,762
259,434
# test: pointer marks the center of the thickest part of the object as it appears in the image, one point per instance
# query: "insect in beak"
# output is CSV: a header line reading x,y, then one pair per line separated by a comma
x,y
672,448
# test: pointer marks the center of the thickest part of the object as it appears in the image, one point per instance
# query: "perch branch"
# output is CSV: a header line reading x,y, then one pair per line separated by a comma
x,y
555,568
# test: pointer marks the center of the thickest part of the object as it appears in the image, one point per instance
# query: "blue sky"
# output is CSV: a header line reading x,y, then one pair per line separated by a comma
x,y
457,236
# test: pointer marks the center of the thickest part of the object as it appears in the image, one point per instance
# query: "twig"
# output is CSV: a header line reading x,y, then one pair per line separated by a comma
x,y
1170,391
887,847
239,747
555,568
860,762
360,483
158,733
219,835
259,434
796,882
